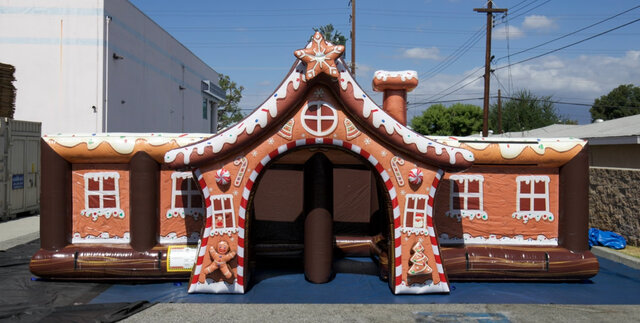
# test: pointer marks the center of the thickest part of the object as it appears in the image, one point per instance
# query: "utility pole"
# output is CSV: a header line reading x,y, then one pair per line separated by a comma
x,y
487,63
353,37
499,111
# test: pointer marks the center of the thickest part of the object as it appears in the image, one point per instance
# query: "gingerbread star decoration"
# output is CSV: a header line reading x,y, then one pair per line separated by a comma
x,y
320,57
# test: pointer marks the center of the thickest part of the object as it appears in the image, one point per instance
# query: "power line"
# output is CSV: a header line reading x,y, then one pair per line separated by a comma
x,y
571,103
569,45
524,13
569,34
501,85
453,57
414,105
418,104
460,88
517,5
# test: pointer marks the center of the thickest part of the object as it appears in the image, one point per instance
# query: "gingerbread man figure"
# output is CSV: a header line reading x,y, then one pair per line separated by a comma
x,y
220,255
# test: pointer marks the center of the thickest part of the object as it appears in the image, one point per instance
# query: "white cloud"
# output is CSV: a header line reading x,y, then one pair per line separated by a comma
x,y
422,53
363,68
538,22
500,33
587,76
264,83
579,79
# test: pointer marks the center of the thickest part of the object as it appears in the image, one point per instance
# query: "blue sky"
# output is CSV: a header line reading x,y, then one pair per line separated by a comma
x,y
253,43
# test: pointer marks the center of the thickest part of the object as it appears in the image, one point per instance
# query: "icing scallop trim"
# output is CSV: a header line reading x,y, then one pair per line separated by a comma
x,y
259,117
511,148
380,118
404,75
123,143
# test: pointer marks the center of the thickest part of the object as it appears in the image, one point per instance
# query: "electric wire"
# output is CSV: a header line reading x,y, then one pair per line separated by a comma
x,y
569,34
453,57
569,45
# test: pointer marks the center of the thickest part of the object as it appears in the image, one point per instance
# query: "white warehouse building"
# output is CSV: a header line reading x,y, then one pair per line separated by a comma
x,y
103,66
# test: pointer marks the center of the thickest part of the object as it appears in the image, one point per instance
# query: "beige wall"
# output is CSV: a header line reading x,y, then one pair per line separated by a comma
x,y
620,156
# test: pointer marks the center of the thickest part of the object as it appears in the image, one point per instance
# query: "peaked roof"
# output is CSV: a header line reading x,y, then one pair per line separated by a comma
x,y
278,108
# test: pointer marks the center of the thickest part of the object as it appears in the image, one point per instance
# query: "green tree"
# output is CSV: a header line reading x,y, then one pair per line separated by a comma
x,y
620,102
229,111
331,35
457,120
525,111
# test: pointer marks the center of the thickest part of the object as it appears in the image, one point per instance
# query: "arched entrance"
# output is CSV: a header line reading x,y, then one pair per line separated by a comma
x,y
364,208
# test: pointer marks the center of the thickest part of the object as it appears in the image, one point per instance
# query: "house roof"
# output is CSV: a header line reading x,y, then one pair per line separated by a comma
x,y
617,131
275,111
116,147
545,152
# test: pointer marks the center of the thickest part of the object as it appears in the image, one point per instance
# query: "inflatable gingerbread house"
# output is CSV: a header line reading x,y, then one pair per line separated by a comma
x,y
318,171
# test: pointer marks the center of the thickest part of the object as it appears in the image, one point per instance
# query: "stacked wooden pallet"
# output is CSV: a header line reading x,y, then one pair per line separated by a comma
x,y
7,91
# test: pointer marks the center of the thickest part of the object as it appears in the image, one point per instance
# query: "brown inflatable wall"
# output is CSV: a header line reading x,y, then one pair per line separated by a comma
x,y
55,199
144,190
573,219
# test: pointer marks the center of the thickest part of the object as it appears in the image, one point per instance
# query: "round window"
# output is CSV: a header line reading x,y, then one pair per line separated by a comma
x,y
319,118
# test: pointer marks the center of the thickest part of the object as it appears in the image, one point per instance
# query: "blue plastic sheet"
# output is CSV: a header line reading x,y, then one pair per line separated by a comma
x,y
614,284
609,239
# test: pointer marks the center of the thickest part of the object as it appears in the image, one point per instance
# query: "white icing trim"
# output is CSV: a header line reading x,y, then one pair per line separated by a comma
x,y
195,213
493,240
429,287
173,238
380,118
536,178
472,178
416,231
259,117
525,216
102,238
99,175
216,287
183,175
511,148
469,214
123,143
105,212
404,75
223,231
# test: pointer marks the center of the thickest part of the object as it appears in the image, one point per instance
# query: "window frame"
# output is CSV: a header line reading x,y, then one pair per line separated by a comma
x,y
94,212
318,118
213,212
192,189
525,216
427,211
465,212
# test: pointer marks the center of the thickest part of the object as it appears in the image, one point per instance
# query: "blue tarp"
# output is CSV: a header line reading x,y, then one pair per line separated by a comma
x,y
614,284
609,239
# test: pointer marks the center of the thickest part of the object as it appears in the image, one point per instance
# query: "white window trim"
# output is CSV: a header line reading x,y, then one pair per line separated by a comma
x,y
192,189
95,213
226,230
465,212
319,118
525,216
426,211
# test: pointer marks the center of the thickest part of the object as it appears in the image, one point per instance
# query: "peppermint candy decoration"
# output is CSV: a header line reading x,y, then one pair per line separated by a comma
x,y
223,176
415,176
